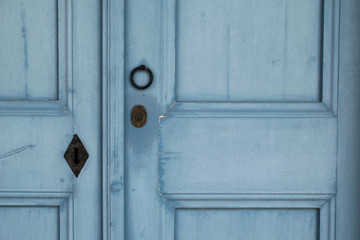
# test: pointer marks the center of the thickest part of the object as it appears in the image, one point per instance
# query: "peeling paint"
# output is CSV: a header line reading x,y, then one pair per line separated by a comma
x,y
164,114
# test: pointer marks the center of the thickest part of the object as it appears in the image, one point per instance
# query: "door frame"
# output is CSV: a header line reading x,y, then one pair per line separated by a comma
x,y
113,119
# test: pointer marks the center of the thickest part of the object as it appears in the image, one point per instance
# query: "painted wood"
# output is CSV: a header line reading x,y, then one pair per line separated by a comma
x,y
35,132
36,215
31,223
34,99
87,116
28,52
251,50
145,211
246,110
210,154
328,80
323,204
113,148
272,224
254,155
142,47
348,194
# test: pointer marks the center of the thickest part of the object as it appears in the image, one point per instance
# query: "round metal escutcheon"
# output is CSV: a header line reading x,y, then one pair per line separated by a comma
x,y
138,116
141,68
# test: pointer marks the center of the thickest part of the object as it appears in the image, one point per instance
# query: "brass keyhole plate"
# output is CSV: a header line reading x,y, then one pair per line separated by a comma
x,y
138,116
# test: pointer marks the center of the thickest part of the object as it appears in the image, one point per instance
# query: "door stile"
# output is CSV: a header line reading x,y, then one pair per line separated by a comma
x,y
113,119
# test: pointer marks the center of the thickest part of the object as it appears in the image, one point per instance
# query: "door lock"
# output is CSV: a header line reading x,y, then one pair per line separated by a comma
x,y
138,116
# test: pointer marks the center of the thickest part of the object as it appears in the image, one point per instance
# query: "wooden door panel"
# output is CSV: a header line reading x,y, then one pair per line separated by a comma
x,y
249,50
50,70
255,146
32,154
256,155
230,148
272,224
29,53
36,215
36,62
250,90
32,223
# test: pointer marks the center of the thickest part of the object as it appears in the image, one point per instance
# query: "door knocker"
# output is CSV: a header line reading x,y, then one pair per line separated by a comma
x,y
141,68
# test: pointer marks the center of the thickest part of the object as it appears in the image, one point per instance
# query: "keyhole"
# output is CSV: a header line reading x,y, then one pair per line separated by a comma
x,y
138,117
76,157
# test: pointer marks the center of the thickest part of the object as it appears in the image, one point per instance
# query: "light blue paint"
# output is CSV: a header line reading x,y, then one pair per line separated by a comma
x,y
221,156
47,50
29,53
272,224
248,112
262,33
16,151
348,194
26,61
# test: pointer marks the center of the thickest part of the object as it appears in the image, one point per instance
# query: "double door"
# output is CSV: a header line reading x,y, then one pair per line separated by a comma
x,y
251,119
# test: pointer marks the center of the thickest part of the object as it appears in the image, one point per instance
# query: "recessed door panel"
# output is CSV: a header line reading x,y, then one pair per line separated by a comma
x,y
249,50
250,224
29,49
50,66
29,223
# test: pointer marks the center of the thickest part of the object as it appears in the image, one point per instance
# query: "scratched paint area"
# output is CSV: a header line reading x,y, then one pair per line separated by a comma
x,y
28,156
28,47
16,151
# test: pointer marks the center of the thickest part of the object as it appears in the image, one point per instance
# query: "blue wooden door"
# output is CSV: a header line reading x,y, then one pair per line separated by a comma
x,y
243,120
49,90
252,119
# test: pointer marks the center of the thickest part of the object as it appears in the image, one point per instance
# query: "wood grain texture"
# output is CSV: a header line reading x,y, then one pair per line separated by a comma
x,y
36,215
35,133
142,47
246,110
113,206
45,77
324,205
31,223
311,139
29,53
252,50
231,155
224,149
271,224
87,116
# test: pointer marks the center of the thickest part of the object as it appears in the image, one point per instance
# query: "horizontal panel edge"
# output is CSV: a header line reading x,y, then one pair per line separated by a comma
x,y
30,108
247,110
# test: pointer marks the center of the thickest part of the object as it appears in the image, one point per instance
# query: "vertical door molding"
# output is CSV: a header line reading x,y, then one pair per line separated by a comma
x,y
112,118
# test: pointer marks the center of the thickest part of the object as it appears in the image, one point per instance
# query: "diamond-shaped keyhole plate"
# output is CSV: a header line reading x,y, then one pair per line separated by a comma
x,y
76,155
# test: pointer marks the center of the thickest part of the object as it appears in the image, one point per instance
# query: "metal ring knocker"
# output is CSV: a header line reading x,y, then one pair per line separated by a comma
x,y
141,68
